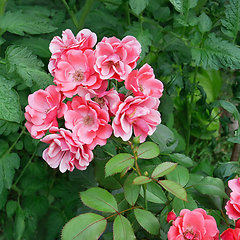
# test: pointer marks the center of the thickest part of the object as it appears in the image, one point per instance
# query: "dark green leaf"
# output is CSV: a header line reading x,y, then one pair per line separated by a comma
x,y
147,220
179,204
131,191
11,207
138,5
99,199
205,23
226,169
19,223
85,226
148,150
163,169
122,229
182,159
179,175
174,188
118,163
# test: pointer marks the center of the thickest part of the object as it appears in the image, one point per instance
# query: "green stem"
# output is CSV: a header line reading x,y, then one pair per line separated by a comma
x,y
189,113
127,14
71,13
2,6
84,14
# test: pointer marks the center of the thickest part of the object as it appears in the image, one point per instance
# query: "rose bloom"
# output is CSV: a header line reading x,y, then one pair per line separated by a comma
x,y
85,39
139,113
171,216
194,225
116,58
88,122
64,152
237,224
142,82
45,106
231,234
233,206
74,69
234,185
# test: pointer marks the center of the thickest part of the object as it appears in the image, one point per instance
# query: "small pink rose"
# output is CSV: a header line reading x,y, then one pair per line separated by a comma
x,y
45,106
116,58
234,185
64,152
171,216
233,206
231,234
138,114
143,82
237,224
194,225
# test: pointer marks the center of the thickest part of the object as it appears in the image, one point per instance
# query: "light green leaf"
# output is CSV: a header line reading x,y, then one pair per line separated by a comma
x,y
179,204
147,220
182,159
141,180
118,163
211,186
28,67
8,164
148,150
163,169
217,53
138,5
85,226
131,191
179,175
174,188
122,229
205,23
10,109
19,23
231,22
99,199
154,193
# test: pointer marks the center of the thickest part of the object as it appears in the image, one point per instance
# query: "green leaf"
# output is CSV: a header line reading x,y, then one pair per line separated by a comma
x,y
118,163
182,159
211,186
141,180
10,109
19,23
148,150
183,6
154,193
131,191
122,229
205,23
19,223
3,197
226,169
163,169
85,226
179,175
174,188
11,208
178,5
234,139
217,53
28,67
99,199
165,138
138,5
231,108
179,204
231,22
8,164
147,220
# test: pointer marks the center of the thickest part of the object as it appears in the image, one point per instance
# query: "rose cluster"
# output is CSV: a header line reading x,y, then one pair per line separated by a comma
x,y
91,110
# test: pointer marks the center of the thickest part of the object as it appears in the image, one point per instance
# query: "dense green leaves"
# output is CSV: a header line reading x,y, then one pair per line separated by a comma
x,y
99,199
9,101
85,226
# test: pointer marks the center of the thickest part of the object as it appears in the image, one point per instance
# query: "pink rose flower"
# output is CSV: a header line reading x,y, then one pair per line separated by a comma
x,y
116,58
139,113
65,152
45,106
142,82
85,39
88,122
234,185
233,206
194,225
74,69
237,224
171,216
231,234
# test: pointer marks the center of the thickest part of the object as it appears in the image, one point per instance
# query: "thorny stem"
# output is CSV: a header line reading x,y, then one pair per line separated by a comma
x,y
84,14
71,13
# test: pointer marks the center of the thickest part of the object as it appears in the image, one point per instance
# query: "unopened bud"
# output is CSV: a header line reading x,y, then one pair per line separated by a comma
x,y
136,140
171,216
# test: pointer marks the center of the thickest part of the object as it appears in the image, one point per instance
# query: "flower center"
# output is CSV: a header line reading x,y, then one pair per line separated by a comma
x,y
100,101
141,87
88,121
189,235
78,75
